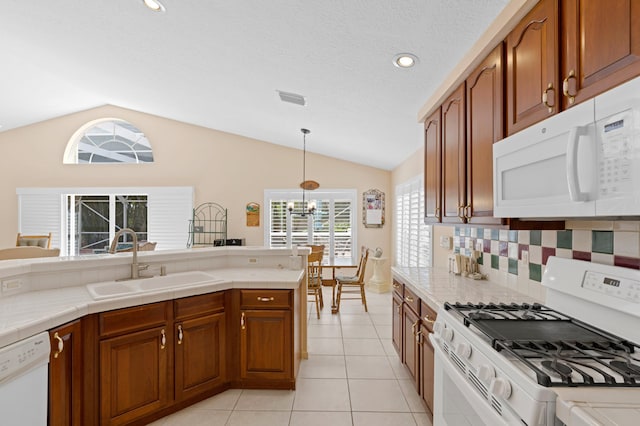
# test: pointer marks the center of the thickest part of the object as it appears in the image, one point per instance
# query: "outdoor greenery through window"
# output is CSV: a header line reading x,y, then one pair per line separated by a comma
x,y
332,224
413,237
96,218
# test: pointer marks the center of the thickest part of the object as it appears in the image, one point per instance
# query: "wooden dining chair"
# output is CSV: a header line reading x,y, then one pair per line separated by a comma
x,y
354,283
314,279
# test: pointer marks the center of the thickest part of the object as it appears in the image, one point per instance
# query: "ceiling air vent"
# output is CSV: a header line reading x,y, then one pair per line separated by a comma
x,y
293,98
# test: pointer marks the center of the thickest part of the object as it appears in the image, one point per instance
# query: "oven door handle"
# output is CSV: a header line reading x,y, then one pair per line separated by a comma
x,y
480,405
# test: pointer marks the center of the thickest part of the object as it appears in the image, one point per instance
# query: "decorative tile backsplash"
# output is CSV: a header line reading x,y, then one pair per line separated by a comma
x,y
525,253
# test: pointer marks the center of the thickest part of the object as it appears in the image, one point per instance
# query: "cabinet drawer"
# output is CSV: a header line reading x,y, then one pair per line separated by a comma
x,y
428,316
133,319
198,305
411,300
265,299
398,288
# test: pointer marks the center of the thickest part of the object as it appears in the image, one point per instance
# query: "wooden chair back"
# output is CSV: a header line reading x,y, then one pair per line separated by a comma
x,y
43,241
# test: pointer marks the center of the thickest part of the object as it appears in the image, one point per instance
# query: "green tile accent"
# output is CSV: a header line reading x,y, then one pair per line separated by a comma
x,y
535,238
481,259
602,242
513,266
513,236
495,261
565,239
495,234
535,272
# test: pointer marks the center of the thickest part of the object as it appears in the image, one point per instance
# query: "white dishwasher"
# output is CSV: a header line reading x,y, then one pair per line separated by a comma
x,y
24,382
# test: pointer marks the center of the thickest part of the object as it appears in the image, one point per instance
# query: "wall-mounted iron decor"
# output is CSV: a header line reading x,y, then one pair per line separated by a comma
x,y
373,208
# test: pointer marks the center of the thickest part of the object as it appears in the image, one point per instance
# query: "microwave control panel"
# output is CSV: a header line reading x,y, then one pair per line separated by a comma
x,y
618,151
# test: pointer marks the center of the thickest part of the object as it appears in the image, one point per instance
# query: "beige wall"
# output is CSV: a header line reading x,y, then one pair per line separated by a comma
x,y
228,169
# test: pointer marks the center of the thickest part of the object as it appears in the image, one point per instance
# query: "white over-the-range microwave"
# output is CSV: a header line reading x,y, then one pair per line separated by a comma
x,y
582,162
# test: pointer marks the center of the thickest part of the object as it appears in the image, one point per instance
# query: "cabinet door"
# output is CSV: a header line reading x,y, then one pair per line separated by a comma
x,y
266,345
396,338
410,328
432,170
601,46
532,67
134,375
200,355
453,157
426,367
65,375
485,126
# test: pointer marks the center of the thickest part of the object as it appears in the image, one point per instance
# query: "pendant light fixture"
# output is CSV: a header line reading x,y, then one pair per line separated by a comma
x,y
307,207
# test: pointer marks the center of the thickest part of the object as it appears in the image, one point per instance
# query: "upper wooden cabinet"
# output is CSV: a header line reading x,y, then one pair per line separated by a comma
x,y
453,157
532,67
432,170
600,46
485,125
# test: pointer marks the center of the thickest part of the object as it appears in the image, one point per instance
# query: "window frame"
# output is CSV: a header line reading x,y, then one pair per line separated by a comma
x,y
332,196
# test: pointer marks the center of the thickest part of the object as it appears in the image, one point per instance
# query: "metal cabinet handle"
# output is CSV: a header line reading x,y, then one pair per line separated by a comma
x,y
242,322
565,86
399,307
461,212
429,320
545,97
396,286
467,212
413,327
418,337
437,212
265,299
408,299
163,339
60,345
180,334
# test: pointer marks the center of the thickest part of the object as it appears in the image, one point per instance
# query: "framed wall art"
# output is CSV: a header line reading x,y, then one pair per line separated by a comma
x,y
373,208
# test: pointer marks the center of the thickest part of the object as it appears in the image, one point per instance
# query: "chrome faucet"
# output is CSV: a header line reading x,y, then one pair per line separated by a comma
x,y
135,267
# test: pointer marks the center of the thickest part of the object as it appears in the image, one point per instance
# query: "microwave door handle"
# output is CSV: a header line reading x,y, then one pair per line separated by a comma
x,y
572,164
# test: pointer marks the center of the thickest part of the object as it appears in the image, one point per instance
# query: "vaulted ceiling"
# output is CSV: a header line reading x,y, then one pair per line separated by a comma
x,y
219,64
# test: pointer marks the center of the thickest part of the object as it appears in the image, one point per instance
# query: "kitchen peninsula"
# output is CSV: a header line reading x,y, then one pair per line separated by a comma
x,y
221,318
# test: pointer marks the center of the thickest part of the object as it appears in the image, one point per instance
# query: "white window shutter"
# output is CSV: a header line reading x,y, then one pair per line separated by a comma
x,y
169,210
40,212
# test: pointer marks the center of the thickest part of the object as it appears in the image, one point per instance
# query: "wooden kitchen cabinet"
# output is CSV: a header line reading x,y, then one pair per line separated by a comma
x,y
266,339
65,375
453,160
485,126
426,355
410,328
396,312
600,46
200,345
134,362
432,167
533,91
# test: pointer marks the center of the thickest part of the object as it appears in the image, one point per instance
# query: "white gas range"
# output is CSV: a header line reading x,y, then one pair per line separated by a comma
x,y
574,360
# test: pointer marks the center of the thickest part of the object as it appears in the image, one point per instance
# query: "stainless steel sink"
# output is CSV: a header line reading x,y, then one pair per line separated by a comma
x,y
123,288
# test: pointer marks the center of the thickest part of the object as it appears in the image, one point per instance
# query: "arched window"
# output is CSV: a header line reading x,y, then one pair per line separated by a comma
x,y
108,140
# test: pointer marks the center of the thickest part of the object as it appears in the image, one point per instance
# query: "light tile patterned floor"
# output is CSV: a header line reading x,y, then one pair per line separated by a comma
x,y
353,377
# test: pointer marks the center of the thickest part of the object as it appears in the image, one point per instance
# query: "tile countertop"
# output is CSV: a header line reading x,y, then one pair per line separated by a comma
x,y
26,314
436,286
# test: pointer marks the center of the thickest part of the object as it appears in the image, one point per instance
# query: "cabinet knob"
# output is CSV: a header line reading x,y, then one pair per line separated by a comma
x,y
408,299
565,86
545,97
60,345
180,335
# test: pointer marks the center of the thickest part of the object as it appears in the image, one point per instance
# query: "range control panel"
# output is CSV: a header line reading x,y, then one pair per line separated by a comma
x,y
622,288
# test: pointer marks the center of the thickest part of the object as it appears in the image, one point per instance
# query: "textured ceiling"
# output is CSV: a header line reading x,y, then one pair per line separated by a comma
x,y
218,64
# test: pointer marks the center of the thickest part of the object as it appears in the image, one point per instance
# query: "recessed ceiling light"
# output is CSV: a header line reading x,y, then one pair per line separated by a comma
x,y
405,60
154,5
